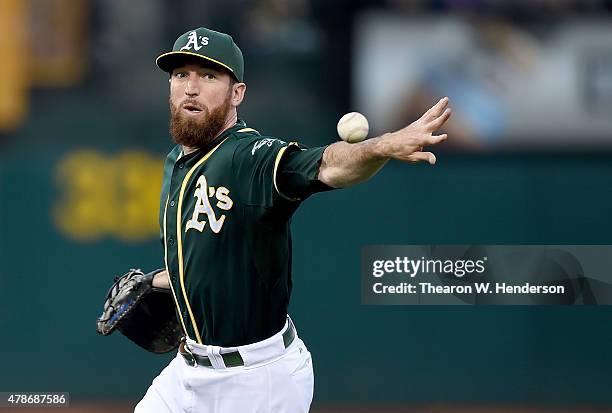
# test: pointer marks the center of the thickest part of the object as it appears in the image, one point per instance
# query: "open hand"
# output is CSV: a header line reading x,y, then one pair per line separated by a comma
x,y
407,144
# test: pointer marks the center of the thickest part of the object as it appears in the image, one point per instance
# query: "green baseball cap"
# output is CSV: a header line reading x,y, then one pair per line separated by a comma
x,y
209,45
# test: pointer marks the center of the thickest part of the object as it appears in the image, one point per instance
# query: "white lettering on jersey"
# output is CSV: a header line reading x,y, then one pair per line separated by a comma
x,y
203,206
265,141
225,202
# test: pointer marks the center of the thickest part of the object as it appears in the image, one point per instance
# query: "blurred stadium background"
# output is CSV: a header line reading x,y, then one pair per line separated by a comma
x,y
83,133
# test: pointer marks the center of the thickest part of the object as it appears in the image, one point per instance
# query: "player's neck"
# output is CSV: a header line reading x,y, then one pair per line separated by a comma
x,y
231,121
187,150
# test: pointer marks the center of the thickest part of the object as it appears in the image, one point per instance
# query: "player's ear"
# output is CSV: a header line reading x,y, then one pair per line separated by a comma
x,y
238,91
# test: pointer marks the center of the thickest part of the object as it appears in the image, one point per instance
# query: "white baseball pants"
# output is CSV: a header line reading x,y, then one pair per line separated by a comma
x,y
273,380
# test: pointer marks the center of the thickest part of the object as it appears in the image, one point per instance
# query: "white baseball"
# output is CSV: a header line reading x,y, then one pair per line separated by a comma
x,y
353,127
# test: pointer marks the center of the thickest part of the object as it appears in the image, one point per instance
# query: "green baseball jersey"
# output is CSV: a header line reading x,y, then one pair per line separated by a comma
x,y
224,218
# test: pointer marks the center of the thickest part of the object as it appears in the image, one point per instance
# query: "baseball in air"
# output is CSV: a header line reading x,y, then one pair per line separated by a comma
x,y
353,127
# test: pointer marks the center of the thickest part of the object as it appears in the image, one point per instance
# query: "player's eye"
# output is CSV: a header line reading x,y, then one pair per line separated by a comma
x,y
209,76
180,75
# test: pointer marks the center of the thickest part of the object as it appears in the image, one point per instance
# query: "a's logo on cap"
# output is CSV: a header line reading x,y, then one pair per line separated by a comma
x,y
192,41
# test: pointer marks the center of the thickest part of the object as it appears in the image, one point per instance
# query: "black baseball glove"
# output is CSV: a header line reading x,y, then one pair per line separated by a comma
x,y
144,314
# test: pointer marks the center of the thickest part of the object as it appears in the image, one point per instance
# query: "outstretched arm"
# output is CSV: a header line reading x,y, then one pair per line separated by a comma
x,y
346,164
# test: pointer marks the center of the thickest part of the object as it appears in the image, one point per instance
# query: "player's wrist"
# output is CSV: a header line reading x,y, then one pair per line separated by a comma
x,y
381,149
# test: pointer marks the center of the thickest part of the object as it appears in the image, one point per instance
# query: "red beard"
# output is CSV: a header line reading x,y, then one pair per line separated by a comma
x,y
197,133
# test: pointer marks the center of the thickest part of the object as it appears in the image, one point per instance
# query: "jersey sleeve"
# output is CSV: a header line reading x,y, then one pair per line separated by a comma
x,y
295,177
272,172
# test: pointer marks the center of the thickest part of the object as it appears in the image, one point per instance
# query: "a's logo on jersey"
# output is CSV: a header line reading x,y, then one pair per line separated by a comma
x,y
192,41
203,206
265,141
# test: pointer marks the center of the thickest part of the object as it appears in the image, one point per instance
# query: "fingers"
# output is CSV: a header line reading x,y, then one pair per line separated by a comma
x,y
423,157
435,139
437,109
441,120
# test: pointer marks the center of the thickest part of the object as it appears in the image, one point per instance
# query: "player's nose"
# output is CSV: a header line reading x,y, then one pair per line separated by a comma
x,y
191,87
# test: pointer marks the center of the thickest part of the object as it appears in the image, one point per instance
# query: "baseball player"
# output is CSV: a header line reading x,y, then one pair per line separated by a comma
x,y
228,195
